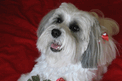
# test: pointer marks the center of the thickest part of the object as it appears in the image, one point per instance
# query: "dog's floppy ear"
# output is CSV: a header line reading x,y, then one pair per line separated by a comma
x,y
43,22
100,51
110,25
91,55
108,48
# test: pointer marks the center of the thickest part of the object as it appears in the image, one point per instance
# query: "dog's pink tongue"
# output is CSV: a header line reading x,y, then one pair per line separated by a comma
x,y
55,46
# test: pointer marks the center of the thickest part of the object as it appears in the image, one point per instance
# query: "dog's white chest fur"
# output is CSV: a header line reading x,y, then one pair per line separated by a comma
x,y
71,72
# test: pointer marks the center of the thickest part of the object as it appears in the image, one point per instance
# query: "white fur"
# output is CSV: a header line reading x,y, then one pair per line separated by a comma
x,y
67,63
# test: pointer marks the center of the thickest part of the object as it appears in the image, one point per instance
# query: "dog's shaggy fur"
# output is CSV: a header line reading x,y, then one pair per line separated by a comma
x,y
71,45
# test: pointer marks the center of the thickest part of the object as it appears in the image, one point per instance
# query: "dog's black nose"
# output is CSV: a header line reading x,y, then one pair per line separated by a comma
x,y
56,33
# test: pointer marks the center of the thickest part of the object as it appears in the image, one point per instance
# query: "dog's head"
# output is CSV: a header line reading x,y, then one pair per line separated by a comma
x,y
69,35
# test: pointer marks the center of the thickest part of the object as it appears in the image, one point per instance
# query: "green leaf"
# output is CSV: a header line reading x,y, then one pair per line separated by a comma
x,y
29,80
35,78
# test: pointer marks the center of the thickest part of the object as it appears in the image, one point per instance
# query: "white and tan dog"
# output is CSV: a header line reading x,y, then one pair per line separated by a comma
x,y
74,44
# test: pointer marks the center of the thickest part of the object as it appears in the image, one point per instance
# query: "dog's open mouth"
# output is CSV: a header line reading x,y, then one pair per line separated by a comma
x,y
55,47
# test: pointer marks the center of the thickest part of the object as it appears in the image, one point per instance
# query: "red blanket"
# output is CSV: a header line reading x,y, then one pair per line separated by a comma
x,y
19,20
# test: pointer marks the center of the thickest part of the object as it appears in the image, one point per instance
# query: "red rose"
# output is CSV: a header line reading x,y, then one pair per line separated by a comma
x,y
60,79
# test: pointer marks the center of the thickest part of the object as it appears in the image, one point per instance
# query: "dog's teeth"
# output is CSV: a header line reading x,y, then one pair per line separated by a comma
x,y
58,47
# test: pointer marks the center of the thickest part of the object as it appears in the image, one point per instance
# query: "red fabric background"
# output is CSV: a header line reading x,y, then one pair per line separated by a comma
x,y
19,20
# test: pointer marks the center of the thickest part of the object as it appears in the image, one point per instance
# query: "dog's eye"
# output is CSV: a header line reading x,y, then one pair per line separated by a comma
x,y
58,20
74,27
